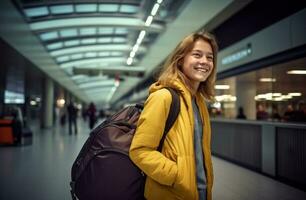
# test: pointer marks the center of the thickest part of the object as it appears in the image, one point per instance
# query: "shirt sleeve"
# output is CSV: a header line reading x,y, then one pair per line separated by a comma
x,y
148,134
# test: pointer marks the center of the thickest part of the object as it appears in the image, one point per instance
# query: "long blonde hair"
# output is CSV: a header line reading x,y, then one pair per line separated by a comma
x,y
172,67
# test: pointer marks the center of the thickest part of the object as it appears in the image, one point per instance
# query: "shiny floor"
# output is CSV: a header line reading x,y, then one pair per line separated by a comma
x,y
41,171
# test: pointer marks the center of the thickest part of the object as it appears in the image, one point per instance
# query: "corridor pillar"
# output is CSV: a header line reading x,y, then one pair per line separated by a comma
x,y
48,103
245,98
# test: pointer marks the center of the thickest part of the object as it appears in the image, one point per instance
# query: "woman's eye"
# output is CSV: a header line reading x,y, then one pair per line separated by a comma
x,y
210,58
197,55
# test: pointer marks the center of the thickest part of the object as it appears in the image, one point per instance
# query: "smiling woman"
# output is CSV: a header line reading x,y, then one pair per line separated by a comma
x,y
184,169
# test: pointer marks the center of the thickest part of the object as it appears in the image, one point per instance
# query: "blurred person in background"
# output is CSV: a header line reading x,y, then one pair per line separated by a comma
x,y
91,112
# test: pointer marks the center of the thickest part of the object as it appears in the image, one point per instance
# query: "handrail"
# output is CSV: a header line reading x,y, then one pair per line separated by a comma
x,y
261,122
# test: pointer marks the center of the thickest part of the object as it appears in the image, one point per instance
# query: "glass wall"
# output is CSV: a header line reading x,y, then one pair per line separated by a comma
x,y
274,93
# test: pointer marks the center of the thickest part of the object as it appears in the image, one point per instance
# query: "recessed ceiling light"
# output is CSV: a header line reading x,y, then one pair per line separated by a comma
x,y
222,87
267,79
154,9
296,72
149,20
296,94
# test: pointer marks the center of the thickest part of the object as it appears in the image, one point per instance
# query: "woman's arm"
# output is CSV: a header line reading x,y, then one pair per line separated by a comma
x,y
149,131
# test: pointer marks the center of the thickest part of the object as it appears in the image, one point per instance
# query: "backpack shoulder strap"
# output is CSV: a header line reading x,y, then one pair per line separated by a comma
x,y
173,113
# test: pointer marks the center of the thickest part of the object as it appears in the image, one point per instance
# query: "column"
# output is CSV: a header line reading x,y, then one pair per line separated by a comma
x,y
2,88
245,93
48,102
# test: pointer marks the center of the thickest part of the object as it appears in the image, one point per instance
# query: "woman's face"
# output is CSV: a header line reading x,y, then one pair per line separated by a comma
x,y
198,63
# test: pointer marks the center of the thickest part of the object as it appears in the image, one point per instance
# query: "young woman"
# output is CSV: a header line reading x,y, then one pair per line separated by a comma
x,y
183,170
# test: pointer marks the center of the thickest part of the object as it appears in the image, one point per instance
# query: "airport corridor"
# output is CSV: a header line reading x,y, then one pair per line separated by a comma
x,y
41,171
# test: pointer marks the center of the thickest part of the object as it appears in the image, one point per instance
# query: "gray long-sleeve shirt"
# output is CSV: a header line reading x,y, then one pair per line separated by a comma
x,y
198,136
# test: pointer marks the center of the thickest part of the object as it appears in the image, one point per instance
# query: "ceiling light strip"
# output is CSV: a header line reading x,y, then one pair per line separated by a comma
x,y
92,40
92,61
155,9
110,82
136,47
91,21
142,33
222,87
296,72
267,80
80,49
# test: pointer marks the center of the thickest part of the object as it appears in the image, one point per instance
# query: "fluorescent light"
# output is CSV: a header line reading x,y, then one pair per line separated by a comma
x,y
222,87
104,40
68,32
56,45
111,68
128,9
287,97
88,31
90,55
49,36
89,41
81,8
70,43
132,54
129,61
108,7
267,79
79,77
105,31
296,94
135,47
91,21
296,72
121,31
276,96
119,40
226,98
36,12
154,9
140,37
93,84
159,1
149,21
76,56
62,59
92,61
95,66
104,54
79,49
61,9
278,99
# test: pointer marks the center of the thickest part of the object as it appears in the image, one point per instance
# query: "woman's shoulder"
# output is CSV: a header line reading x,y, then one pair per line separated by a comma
x,y
160,97
161,94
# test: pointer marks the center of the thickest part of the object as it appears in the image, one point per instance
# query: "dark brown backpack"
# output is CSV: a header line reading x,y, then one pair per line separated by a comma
x,y
103,169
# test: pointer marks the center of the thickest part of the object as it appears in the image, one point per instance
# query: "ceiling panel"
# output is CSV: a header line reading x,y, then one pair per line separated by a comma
x,y
100,37
79,42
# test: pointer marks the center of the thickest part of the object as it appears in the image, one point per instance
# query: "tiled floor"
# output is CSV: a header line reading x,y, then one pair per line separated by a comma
x,y
42,171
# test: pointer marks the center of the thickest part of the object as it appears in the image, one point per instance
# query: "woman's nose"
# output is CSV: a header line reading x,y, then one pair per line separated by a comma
x,y
203,60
